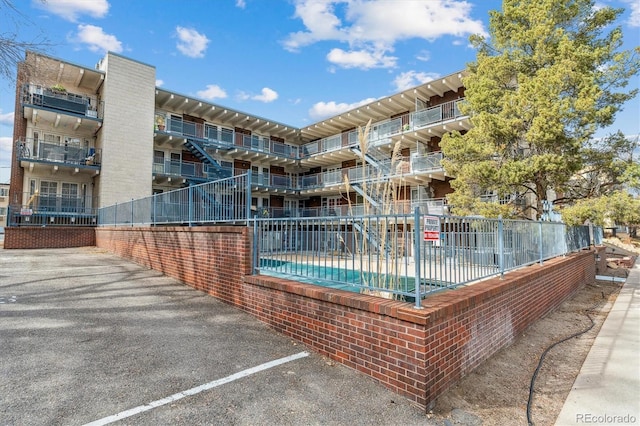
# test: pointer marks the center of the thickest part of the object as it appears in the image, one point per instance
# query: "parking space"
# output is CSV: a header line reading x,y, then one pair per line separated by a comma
x,y
88,337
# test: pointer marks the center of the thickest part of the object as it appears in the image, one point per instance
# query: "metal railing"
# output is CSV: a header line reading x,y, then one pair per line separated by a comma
x,y
407,256
188,169
223,136
380,132
47,97
51,210
222,200
30,149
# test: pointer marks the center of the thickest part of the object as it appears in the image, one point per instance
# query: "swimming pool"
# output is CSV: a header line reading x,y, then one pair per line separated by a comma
x,y
338,277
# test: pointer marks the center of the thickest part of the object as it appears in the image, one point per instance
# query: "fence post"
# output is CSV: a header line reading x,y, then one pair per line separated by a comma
x,y
256,255
416,251
115,216
132,212
247,212
153,217
540,236
501,246
190,204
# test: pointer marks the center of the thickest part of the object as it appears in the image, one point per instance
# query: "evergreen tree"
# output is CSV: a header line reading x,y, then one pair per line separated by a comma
x,y
542,84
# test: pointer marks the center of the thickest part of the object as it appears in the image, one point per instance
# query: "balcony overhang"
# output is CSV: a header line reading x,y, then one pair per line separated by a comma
x,y
42,167
44,117
223,116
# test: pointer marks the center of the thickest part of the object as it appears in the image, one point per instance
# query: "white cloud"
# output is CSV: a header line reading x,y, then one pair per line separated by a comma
x,y
267,95
5,150
371,28
72,9
322,110
191,43
212,92
159,83
423,55
360,59
97,40
6,119
241,4
409,79
634,17
242,96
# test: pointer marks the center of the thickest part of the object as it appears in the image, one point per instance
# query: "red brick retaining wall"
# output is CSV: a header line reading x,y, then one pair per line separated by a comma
x,y
31,237
418,353
209,258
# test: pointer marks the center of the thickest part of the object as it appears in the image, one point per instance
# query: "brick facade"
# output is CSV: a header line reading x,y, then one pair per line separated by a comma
x,y
417,353
31,237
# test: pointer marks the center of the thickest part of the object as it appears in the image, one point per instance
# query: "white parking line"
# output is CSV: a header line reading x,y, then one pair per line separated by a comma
x,y
196,390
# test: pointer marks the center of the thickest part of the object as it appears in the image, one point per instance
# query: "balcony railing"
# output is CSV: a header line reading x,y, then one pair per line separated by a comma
x,y
417,163
426,162
442,112
190,169
214,134
70,154
45,97
44,210
380,132
429,206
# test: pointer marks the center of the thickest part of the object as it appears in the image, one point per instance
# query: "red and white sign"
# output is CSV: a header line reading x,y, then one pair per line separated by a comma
x,y
431,228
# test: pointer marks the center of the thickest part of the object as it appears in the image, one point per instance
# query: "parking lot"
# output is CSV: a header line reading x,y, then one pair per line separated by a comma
x,y
87,337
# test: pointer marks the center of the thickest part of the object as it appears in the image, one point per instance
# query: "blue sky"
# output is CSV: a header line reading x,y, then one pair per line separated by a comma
x,y
294,61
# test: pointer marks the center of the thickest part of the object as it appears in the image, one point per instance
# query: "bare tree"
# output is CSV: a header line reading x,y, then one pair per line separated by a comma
x,y
12,47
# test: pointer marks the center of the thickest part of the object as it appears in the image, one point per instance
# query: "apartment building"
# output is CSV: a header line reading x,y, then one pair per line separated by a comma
x,y
4,205
92,137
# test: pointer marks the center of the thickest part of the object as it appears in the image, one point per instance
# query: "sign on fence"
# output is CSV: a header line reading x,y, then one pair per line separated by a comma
x,y
431,228
26,212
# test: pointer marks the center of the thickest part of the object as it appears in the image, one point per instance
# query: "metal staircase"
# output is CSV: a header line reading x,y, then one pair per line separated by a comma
x,y
376,158
200,152
372,234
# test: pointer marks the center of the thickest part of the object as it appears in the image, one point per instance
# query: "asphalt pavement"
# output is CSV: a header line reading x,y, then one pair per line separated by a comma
x,y
89,338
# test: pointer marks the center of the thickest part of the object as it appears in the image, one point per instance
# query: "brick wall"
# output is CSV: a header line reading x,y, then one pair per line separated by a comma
x,y
31,237
417,353
213,259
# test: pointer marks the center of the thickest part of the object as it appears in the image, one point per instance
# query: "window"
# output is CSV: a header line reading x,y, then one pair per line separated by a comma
x,y
210,132
48,195
158,161
70,200
175,163
226,135
175,124
158,157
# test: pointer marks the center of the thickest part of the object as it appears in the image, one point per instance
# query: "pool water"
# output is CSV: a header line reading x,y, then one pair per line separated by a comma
x,y
334,277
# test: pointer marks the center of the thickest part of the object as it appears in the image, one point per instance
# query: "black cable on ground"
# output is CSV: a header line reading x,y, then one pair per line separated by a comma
x,y
544,354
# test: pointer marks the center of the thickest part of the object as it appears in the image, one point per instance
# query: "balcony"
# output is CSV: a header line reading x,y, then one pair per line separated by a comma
x,y
382,132
220,137
267,181
37,154
34,96
428,206
162,171
418,166
43,210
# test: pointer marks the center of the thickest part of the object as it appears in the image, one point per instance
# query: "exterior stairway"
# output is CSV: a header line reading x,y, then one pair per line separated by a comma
x,y
200,152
